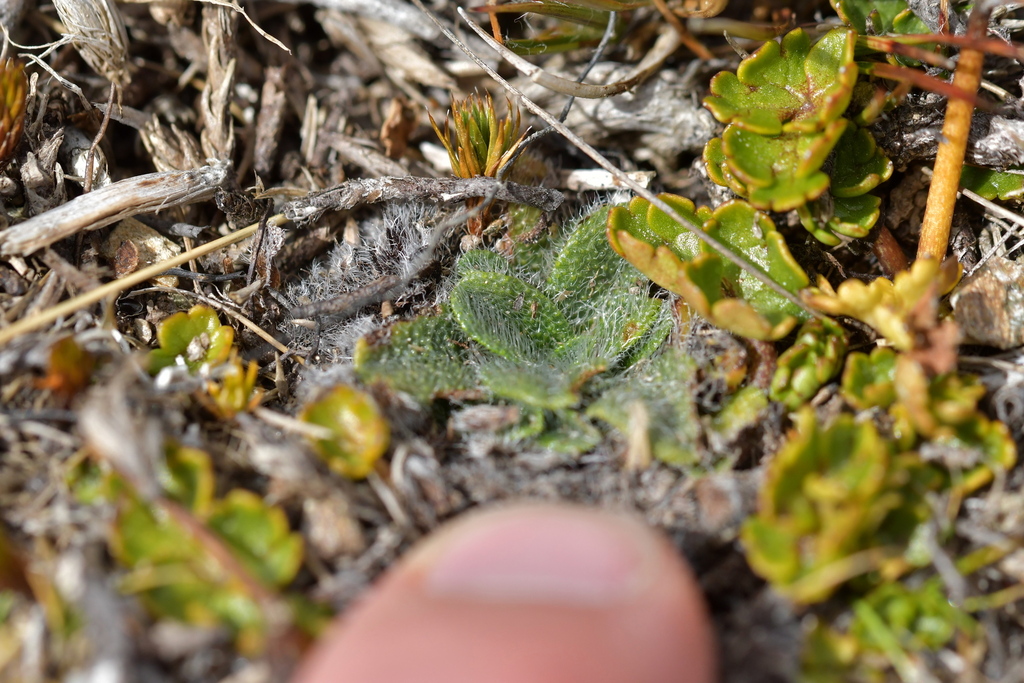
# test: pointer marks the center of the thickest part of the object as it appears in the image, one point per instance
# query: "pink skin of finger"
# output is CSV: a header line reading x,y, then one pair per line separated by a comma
x,y
527,594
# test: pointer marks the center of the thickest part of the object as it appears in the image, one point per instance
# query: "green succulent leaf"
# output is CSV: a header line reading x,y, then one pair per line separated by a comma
x,y
741,411
508,316
425,357
673,257
868,379
187,477
259,536
839,495
175,578
992,184
196,337
858,166
359,432
781,172
718,169
788,87
883,13
811,362
883,304
661,391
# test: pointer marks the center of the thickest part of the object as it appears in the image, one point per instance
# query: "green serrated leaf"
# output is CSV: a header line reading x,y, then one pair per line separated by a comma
x,y
508,316
791,87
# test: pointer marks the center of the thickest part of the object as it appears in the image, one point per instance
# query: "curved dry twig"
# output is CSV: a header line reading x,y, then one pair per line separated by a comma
x,y
667,43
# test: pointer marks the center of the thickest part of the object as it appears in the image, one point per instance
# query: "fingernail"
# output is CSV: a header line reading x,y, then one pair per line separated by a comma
x,y
545,557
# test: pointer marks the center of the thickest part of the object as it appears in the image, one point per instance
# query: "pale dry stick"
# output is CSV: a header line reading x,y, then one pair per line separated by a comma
x,y
111,203
117,286
949,161
621,176
667,43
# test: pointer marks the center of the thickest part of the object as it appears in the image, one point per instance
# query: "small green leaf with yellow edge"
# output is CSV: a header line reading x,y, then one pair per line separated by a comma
x,y
196,338
359,432
992,184
868,379
792,86
187,477
859,166
885,304
259,536
783,171
833,499
674,258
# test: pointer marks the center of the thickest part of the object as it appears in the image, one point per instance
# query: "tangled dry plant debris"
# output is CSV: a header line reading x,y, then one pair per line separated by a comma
x,y
226,242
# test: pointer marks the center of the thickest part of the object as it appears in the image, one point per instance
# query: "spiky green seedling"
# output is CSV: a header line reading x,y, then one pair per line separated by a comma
x,y
195,339
729,297
479,142
13,91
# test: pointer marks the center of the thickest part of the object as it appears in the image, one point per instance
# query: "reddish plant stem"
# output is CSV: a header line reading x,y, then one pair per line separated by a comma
x,y
889,253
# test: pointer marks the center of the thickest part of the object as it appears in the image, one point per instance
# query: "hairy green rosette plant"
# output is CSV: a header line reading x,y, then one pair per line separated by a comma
x,y
550,344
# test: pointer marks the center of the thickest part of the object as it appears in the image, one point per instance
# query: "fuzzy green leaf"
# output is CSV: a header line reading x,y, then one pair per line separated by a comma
x,y
662,391
535,385
508,316
426,358
791,87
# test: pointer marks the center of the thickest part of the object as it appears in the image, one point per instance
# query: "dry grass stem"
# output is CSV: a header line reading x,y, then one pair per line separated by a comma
x,y
64,308
949,160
